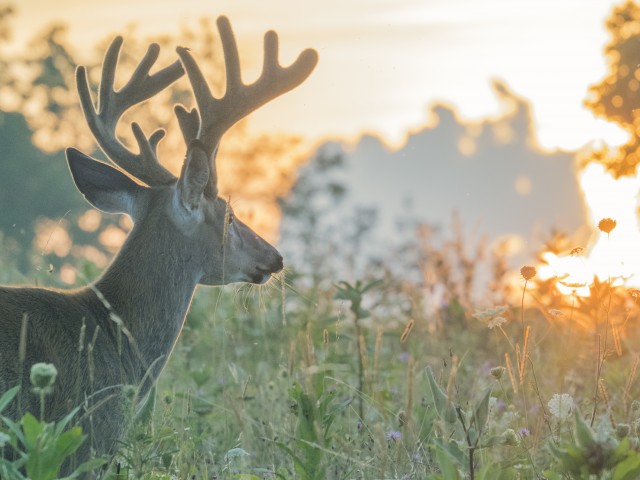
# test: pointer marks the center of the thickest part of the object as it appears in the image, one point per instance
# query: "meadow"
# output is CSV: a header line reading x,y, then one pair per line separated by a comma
x,y
436,357
421,367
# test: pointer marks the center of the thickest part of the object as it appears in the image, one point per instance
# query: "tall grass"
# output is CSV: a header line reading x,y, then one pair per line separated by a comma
x,y
430,363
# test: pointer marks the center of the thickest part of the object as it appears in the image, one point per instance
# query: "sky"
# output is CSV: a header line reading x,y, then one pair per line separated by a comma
x,y
383,63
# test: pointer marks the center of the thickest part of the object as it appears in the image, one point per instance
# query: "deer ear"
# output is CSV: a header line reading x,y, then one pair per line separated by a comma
x,y
103,186
194,177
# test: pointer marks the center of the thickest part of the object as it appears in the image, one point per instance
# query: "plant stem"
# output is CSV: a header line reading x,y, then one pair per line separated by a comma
x,y
602,354
524,290
42,405
469,443
360,346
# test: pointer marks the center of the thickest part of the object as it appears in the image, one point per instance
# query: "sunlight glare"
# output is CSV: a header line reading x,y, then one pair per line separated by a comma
x,y
614,255
611,256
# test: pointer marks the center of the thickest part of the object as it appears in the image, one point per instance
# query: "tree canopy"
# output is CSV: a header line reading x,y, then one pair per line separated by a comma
x,y
617,96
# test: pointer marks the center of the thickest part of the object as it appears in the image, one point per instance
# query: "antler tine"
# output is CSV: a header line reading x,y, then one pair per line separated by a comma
x,y
239,100
112,104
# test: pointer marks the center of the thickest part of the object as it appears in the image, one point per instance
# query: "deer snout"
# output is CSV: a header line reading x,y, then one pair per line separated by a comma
x,y
278,264
264,270
274,265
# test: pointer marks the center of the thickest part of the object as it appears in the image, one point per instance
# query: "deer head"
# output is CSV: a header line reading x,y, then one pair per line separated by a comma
x,y
182,217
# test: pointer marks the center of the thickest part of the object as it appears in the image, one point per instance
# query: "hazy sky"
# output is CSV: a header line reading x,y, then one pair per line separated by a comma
x,y
382,62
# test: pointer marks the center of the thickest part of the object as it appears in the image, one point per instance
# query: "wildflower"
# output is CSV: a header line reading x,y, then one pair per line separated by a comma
x,y
404,356
577,252
492,316
498,372
606,225
394,436
556,313
490,312
524,432
496,322
561,406
528,272
510,438
43,376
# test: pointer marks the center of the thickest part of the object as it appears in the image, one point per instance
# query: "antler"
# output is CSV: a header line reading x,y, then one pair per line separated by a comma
x,y
217,115
111,105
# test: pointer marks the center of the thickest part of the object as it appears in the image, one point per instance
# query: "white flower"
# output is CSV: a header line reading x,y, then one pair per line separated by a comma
x,y
492,317
561,406
489,313
496,322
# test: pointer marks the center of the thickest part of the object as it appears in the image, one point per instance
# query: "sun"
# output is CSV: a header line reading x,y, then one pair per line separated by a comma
x,y
613,255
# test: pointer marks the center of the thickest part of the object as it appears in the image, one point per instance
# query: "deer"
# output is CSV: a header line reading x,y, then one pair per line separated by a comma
x,y
183,235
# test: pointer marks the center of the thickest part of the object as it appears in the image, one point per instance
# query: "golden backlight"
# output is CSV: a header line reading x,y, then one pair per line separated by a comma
x,y
611,257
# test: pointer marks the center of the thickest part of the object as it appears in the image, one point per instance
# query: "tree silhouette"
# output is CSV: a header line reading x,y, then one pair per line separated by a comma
x,y
617,96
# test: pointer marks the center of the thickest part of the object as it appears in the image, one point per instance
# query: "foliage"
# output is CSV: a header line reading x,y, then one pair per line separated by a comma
x,y
617,96
586,455
41,447
310,377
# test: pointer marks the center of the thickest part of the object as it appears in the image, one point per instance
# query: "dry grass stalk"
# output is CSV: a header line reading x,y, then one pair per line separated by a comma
x,y
512,378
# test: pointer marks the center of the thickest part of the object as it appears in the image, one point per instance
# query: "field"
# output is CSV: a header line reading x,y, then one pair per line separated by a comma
x,y
417,369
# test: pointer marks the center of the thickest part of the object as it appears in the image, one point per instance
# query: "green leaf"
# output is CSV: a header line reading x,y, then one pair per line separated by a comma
x,y
481,412
7,396
629,468
298,464
584,434
306,433
145,412
14,428
444,407
572,458
354,294
10,471
32,428
449,457
68,442
62,424
371,285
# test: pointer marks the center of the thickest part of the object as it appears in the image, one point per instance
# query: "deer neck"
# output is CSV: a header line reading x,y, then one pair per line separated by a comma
x,y
149,286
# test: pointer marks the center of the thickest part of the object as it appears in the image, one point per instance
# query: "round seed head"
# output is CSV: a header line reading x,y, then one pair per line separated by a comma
x,y
606,225
43,375
528,272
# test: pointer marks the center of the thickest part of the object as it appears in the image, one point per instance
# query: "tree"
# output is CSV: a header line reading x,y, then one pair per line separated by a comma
x,y
617,96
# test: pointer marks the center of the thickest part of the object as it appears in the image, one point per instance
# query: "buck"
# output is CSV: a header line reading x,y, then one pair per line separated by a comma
x,y
125,324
